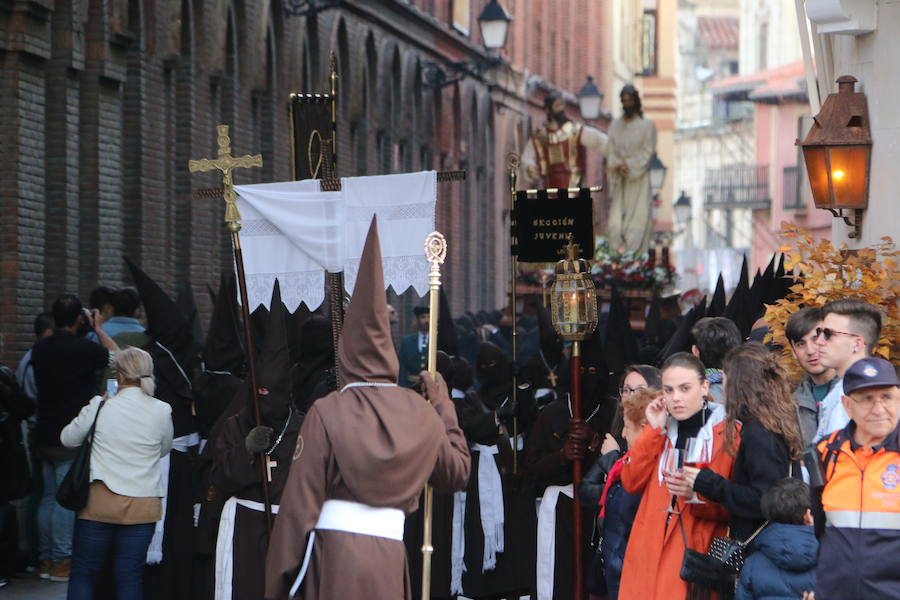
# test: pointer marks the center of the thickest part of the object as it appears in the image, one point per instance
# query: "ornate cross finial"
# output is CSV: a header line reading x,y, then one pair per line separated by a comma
x,y
227,163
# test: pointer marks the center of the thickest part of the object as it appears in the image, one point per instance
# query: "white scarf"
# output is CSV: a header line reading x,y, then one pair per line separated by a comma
x,y
490,503
458,544
546,539
705,434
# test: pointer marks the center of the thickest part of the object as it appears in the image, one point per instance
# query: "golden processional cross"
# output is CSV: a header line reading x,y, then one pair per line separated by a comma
x,y
226,163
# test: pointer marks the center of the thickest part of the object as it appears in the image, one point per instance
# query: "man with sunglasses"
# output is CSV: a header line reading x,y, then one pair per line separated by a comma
x,y
849,331
860,503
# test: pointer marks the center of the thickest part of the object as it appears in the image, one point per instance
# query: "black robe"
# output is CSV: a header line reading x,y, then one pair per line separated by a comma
x,y
514,572
543,466
237,473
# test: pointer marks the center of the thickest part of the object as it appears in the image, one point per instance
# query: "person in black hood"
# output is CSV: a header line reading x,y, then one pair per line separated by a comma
x,y
558,439
222,369
498,560
313,374
220,392
237,473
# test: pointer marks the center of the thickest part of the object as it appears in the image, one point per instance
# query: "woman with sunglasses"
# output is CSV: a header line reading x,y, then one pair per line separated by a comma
x,y
681,418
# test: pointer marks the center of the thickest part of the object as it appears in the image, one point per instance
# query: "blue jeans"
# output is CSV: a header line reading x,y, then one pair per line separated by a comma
x,y
93,541
55,523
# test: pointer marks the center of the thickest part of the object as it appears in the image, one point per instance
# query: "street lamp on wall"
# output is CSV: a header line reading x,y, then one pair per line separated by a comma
x,y
657,175
494,25
838,152
589,99
682,208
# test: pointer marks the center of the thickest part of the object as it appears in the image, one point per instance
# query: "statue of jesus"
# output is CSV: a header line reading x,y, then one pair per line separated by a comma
x,y
632,144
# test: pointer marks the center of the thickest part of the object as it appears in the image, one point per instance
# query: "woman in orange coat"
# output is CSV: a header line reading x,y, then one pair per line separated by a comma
x,y
656,547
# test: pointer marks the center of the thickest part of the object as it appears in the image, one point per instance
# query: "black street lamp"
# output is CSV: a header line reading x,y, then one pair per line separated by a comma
x,y
494,24
589,99
657,174
682,208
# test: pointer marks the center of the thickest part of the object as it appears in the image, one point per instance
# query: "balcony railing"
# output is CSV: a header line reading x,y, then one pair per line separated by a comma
x,y
737,186
791,197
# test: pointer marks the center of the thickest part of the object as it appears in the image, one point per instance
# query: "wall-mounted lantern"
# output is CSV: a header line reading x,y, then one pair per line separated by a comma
x,y
838,152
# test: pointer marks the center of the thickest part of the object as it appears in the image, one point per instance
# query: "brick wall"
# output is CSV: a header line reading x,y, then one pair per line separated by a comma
x,y
103,102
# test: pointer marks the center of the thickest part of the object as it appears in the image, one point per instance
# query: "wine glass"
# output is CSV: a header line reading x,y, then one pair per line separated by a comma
x,y
697,455
672,461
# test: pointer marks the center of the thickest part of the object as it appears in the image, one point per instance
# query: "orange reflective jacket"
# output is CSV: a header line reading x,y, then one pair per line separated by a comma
x,y
861,501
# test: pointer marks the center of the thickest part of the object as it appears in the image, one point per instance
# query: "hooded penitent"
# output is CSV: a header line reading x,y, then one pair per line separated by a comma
x,y
315,364
447,340
493,373
681,340
188,307
620,342
273,365
738,307
221,377
717,304
545,371
373,444
171,348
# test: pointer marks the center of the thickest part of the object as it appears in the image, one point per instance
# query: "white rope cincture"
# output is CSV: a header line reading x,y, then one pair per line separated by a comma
x,y
357,384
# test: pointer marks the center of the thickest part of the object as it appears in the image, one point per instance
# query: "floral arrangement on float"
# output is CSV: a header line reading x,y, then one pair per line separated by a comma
x,y
628,270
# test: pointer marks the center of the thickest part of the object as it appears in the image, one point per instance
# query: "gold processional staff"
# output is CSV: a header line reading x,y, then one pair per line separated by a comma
x,y
435,253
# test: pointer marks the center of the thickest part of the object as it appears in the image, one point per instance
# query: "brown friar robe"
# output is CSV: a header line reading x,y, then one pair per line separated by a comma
x,y
377,446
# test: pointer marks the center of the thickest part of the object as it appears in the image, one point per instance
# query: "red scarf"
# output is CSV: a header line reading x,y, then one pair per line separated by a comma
x,y
615,474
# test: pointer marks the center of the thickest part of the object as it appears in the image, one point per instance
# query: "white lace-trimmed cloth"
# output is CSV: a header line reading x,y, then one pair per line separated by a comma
x,y
292,231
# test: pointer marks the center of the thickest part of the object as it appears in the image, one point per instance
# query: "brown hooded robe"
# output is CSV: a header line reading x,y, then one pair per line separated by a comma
x,y
374,445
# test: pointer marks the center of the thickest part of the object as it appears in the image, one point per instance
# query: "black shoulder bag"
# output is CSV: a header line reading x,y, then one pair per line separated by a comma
x,y
72,492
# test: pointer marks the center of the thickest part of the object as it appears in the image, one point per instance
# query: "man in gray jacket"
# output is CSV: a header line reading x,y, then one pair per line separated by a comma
x,y
801,332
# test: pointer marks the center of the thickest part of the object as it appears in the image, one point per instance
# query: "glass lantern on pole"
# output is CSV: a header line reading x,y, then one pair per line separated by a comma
x,y
573,303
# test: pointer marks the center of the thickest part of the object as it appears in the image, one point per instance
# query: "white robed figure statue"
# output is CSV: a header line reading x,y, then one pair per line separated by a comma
x,y
632,144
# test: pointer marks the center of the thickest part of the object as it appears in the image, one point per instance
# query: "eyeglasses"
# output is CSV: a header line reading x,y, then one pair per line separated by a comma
x,y
829,333
627,391
868,402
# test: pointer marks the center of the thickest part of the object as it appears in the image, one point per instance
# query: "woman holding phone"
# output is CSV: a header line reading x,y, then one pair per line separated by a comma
x,y
133,432
681,420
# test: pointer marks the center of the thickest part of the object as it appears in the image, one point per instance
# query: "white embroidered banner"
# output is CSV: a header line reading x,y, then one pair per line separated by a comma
x,y
293,232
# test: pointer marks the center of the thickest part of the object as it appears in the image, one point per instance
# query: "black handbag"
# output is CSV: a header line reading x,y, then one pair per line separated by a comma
x,y
72,492
703,569
729,552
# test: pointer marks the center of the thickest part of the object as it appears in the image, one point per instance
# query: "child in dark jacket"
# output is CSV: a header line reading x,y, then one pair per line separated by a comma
x,y
783,561
602,486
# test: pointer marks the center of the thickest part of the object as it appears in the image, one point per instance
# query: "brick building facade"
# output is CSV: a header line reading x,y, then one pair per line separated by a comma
x,y
103,102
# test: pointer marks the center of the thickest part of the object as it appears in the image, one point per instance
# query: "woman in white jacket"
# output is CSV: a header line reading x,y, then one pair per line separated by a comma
x,y
134,430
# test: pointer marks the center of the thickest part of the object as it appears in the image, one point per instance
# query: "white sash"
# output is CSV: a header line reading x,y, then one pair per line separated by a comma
x,y
179,444
490,503
352,517
225,544
458,543
546,539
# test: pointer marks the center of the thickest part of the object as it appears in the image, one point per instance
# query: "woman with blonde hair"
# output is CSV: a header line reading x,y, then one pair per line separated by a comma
x,y
133,432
